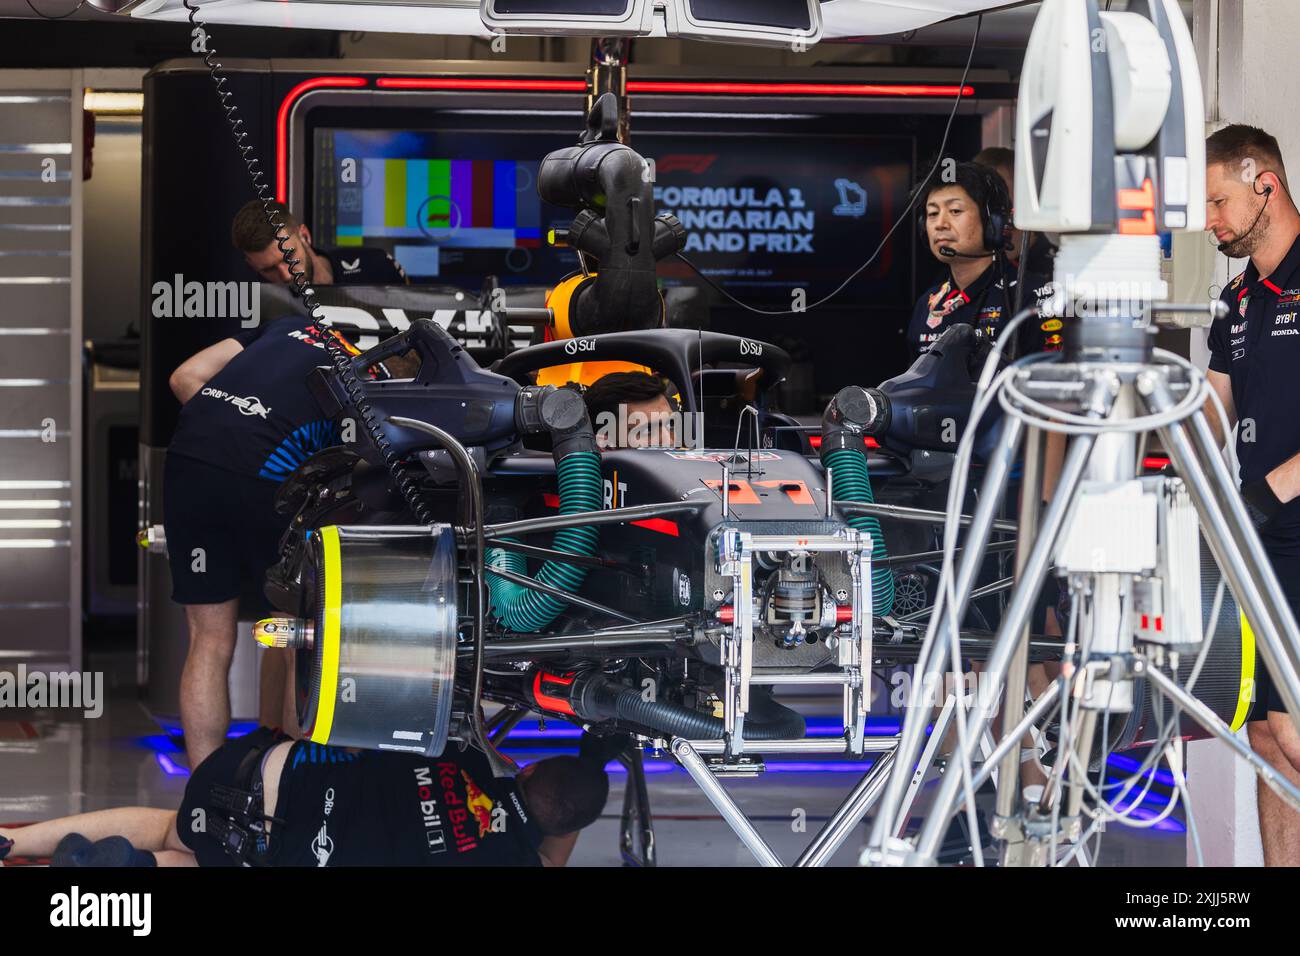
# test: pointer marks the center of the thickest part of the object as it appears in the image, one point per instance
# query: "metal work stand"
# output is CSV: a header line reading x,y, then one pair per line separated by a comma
x,y
832,834
636,838
1115,393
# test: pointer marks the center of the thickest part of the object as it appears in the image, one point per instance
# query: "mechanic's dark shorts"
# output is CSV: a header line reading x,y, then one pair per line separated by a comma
x,y
231,518
220,766
1267,697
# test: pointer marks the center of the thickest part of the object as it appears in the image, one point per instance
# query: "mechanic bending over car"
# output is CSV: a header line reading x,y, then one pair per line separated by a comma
x,y
311,805
246,423
633,410
356,265
1254,357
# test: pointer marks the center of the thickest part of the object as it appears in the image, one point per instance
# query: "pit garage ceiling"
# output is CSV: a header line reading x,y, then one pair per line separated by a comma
x,y
842,18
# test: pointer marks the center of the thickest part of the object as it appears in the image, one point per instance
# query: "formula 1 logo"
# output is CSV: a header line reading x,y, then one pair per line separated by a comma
x,y
683,587
750,348
696,163
574,346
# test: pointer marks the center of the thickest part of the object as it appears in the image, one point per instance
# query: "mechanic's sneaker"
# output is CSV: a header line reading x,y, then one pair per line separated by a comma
x,y
72,850
115,851
118,851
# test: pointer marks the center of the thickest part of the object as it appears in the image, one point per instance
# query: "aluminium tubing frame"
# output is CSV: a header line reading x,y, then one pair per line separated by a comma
x,y
931,663
1014,621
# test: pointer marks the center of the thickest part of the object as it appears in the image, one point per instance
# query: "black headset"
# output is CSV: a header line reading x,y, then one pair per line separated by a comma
x,y
995,213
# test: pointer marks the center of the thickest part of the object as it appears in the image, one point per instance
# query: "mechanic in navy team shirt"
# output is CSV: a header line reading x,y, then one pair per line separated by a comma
x,y
1254,366
968,216
248,421
335,806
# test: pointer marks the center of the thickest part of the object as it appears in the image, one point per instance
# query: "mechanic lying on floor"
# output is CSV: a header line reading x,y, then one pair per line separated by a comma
x,y
310,805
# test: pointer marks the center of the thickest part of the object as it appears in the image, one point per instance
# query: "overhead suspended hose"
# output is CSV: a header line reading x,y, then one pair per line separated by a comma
x,y
342,362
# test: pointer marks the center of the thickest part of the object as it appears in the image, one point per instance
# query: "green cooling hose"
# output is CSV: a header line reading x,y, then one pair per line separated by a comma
x,y
852,483
521,608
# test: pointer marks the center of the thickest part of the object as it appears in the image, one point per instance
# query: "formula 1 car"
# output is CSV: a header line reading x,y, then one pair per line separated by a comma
x,y
471,543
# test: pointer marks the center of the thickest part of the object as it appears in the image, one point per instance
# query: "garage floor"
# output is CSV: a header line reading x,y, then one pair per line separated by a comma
x,y
57,763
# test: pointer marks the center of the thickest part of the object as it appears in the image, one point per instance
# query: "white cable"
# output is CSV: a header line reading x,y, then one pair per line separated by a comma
x,y
946,600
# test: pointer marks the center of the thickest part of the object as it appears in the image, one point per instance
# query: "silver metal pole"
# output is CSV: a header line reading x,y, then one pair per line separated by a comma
x,y
723,803
1283,787
850,813
1234,542
921,515
930,664
1022,603
815,745
1011,741
1008,798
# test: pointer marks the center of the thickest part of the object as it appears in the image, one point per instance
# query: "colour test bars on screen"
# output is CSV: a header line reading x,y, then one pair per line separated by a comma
x,y
477,203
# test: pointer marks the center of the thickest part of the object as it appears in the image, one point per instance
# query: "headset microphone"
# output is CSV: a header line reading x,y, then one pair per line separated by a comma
x,y
1267,193
949,253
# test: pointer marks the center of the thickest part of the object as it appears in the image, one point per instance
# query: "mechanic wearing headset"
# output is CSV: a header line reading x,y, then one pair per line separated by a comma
x,y
248,421
963,222
311,805
1254,358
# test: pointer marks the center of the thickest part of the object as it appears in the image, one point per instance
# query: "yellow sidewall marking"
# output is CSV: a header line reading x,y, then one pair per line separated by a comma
x,y
329,666
1246,694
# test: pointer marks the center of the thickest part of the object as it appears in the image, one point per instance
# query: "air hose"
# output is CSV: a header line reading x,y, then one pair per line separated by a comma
x,y
581,486
844,456
593,696
338,354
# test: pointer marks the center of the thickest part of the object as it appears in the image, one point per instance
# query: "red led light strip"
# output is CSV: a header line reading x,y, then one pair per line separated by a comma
x,y
282,124
478,83
798,89
580,86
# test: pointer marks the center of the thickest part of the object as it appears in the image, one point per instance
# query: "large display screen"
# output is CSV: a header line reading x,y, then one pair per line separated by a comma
x,y
773,218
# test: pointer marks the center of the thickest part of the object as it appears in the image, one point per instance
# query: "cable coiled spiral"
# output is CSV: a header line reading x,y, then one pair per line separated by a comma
x,y
408,486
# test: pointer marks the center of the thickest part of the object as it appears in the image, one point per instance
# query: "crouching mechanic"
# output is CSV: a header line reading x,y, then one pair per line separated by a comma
x,y
265,800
